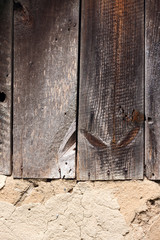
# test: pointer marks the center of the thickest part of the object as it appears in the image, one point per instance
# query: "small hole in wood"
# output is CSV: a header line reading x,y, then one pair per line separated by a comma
x,y
150,120
70,170
66,163
56,39
65,113
153,174
18,6
68,29
7,75
29,209
2,96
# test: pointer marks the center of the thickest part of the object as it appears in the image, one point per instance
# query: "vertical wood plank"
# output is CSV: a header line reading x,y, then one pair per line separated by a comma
x,y
152,89
5,85
46,44
111,111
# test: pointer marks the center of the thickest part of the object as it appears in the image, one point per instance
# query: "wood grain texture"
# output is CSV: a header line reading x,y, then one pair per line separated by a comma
x,y
6,12
111,111
152,87
46,45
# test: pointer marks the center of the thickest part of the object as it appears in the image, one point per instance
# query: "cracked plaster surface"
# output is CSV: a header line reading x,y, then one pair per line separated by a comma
x,y
57,210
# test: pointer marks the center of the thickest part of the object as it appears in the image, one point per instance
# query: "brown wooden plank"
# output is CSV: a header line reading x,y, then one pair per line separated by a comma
x,y
46,45
152,89
5,85
111,112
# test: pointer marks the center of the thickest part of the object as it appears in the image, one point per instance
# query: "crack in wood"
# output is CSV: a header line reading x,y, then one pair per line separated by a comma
x,y
66,153
71,141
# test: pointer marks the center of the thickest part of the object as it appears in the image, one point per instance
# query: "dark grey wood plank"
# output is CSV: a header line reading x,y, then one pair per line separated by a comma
x,y
111,102
6,12
152,88
46,46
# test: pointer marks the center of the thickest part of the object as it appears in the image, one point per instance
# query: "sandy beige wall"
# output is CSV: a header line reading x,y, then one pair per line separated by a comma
x,y
57,210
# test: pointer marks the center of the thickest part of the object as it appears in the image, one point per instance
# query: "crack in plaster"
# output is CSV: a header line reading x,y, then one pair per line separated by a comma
x,y
80,210
23,195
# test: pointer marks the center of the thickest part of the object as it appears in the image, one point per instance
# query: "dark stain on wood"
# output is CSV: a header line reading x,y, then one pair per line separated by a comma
x,y
23,12
95,142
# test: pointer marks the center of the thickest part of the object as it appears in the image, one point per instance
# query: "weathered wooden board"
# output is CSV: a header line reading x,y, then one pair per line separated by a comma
x,y
45,72
152,89
111,105
6,12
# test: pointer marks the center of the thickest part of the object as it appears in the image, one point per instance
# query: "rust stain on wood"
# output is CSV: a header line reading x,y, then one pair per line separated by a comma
x,y
129,138
137,117
24,13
